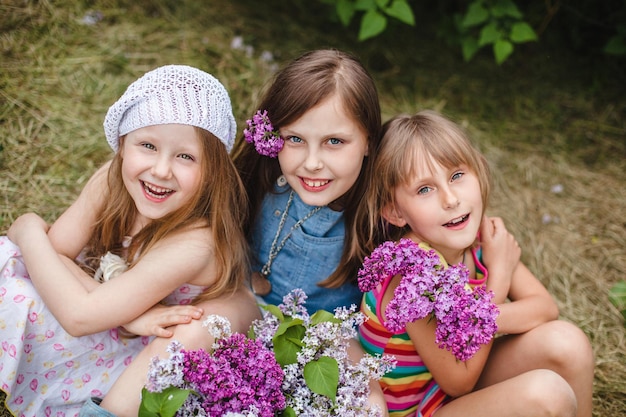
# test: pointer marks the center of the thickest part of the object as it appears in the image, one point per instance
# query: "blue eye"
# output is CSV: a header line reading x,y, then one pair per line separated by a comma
x,y
294,139
187,157
457,175
148,146
335,141
423,190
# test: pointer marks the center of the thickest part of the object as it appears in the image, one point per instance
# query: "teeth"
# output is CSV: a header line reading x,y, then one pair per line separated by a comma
x,y
155,191
457,220
316,183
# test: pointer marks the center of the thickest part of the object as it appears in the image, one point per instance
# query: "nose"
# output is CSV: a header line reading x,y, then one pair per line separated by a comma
x,y
313,161
449,198
162,167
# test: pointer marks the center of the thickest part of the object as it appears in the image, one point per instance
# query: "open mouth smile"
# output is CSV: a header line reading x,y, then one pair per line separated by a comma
x,y
314,183
156,192
458,221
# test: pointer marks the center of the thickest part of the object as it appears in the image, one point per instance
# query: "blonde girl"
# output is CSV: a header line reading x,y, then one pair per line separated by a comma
x,y
154,225
432,187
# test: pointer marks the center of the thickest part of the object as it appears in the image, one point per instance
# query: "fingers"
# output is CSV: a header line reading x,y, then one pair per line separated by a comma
x,y
175,315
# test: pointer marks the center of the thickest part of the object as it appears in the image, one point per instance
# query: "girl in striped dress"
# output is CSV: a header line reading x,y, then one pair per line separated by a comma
x,y
432,187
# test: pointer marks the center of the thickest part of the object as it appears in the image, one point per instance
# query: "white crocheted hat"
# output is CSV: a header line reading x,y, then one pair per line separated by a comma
x,y
173,94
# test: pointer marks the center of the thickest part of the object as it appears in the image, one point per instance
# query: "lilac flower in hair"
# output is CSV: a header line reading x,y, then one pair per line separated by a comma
x,y
260,131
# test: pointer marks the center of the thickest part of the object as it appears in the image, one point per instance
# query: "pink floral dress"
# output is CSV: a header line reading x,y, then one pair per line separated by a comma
x,y
44,371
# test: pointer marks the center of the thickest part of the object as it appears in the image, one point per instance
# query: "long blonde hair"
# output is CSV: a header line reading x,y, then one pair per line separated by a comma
x,y
220,204
410,140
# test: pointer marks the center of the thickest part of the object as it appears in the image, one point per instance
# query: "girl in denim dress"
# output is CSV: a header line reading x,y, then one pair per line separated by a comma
x,y
305,163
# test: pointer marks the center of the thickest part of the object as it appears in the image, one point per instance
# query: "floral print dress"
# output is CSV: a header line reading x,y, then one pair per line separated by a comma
x,y
43,370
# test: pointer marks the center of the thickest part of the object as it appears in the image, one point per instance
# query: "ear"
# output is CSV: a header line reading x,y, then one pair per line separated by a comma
x,y
391,214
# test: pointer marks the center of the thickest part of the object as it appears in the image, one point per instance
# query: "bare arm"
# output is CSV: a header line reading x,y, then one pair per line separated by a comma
x,y
523,301
184,257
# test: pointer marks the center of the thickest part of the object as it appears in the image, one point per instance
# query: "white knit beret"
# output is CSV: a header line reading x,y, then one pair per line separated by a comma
x,y
173,94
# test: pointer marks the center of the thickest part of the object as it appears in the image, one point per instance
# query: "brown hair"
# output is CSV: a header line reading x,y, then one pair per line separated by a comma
x,y
408,141
219,204
298,87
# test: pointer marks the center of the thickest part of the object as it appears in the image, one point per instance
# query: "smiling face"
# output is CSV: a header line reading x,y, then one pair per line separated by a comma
x,y
161,168
442,206
323,152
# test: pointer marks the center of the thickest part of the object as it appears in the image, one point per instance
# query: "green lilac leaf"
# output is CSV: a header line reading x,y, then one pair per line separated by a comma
x,y
502,49
372,24
522,32
489,34
288,344
401,10
322,376
345,11
162,404
469,47
476,14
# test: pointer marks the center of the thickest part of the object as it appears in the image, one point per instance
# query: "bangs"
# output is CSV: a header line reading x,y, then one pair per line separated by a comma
x,y
432,148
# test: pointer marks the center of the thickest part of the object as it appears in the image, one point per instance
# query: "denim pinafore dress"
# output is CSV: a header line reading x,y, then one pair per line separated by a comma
x,y
310,255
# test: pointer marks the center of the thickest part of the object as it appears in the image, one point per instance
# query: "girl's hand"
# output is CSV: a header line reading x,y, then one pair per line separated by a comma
x,y
25,224
155,322
501,255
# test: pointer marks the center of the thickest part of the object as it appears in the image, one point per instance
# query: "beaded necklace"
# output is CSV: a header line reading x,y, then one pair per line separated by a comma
x,y
260,282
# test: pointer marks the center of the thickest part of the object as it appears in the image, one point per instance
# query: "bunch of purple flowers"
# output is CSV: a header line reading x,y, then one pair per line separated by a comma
x,y
320,380
239,376
466,318
260,131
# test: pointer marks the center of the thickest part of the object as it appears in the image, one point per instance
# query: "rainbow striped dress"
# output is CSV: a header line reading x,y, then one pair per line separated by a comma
x,y
409,389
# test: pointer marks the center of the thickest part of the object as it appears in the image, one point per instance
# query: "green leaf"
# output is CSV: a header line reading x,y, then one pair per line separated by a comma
x,y
286,324
322,376
288,412
274,310
365,5
506,8
321,316
381,4
615,46
522,32
345,11
288,344
476,14
401,10
162,404
617,295
469,46
501,50
489,34
372,24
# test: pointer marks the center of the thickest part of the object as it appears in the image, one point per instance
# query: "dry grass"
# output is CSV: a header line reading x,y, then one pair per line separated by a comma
x,y
539,128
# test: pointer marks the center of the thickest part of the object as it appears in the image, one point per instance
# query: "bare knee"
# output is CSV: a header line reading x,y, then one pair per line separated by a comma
x,y
549,395
567,347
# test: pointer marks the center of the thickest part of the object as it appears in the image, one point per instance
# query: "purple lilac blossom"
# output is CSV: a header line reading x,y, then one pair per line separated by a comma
x,y
329,339
466,318
238,374
260,131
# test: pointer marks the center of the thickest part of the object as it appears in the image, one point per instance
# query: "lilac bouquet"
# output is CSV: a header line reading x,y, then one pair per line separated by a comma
x,y
320,380
238,377
260,131
466,318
